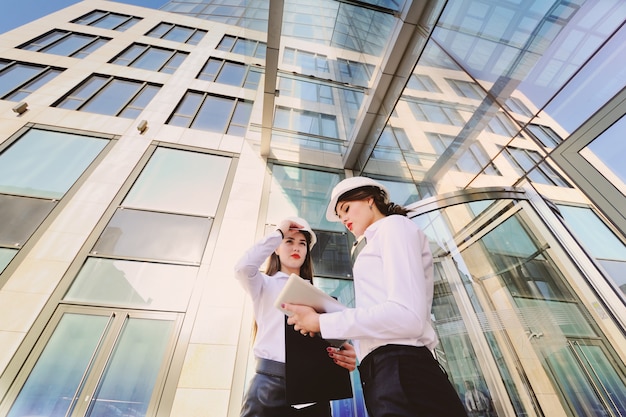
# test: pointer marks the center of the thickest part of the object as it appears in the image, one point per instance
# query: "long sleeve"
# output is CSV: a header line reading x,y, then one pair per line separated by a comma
x,y
393,281
247,268
263,290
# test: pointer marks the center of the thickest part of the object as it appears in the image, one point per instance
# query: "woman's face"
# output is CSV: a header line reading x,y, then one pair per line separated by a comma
x,y
292,252
357,215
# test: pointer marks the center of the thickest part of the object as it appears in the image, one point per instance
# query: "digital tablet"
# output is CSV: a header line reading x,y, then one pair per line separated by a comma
x,y
298,290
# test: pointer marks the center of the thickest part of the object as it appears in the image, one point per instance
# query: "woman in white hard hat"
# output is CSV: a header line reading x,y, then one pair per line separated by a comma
x,y
391,324
288,249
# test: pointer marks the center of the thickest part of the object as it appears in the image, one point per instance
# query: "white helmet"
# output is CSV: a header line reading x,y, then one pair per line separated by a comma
x,y
305,228
343,187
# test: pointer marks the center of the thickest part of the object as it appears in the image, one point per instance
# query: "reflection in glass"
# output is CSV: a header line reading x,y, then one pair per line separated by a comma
x,y
46,164
133,284
598,240
600,78
331,254
179,181
128,381
53,386
302,192
150,235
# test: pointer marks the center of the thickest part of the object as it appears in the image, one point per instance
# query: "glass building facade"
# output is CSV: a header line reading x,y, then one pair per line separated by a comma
x,y
143,150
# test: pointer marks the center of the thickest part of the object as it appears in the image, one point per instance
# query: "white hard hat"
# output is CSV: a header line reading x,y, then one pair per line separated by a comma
x,y
343,187
305,228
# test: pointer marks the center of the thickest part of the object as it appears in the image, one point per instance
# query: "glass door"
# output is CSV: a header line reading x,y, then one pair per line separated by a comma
x,y
587,374
96,363
514,316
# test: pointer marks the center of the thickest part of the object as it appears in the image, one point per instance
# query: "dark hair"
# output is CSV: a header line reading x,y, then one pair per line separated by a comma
x,y
306,270
381,199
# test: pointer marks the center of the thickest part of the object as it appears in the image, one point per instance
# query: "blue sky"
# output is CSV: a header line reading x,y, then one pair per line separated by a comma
x,y
16,13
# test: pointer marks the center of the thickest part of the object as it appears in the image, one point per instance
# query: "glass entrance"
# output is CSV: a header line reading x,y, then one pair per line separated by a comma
x,y
514,317
97,363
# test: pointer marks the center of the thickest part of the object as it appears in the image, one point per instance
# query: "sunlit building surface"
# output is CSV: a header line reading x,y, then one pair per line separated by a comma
x,y
142,151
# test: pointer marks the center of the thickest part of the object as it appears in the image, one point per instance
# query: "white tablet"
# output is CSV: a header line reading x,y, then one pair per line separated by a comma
x,y
300,291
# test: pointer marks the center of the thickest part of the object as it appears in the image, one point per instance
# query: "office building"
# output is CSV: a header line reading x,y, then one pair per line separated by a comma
x,y
142,151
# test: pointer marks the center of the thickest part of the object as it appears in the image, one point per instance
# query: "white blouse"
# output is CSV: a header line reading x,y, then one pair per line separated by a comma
x,y
264,289
393,284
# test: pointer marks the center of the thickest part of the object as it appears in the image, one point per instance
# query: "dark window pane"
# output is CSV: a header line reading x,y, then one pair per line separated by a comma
x,y
158,236
331,255
20,217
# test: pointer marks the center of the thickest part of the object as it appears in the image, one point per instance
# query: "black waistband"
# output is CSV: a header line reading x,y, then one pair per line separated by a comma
x,y
394,350
270,367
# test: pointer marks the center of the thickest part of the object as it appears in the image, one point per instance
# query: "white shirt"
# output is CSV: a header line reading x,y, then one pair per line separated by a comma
x,y
393,285
263,289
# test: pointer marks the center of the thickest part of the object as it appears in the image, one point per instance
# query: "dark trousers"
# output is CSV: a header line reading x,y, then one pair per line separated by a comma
x,y
407,381
266,396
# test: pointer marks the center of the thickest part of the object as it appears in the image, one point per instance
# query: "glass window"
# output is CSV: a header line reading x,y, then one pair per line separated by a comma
x,y
527,162
331,254
211,69
253,79
356,73
149,235
303,121
402,193
177,33
242,46
6,255
599,240
229,72
436,113
65,43
132,284
306,90
545,134
467,89
171,180
111,96
212,113
500,124
46,164
517,106
302,192
422,82
18,80
309,62
162,216
232,73
107,20
151,58
472,160
606,154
